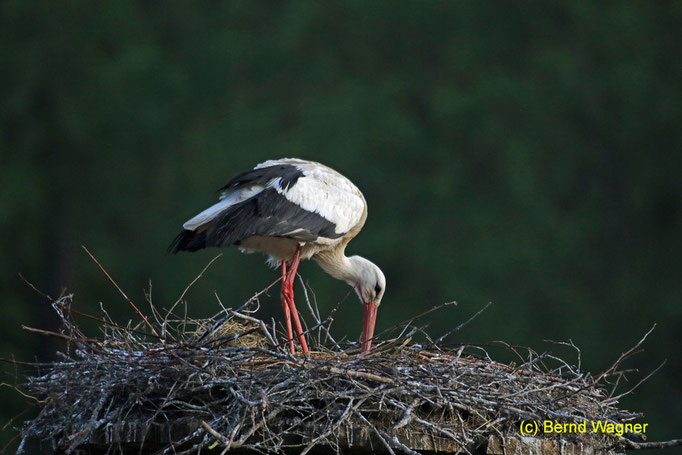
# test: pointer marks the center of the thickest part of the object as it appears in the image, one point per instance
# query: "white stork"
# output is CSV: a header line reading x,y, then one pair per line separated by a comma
x,y
292,209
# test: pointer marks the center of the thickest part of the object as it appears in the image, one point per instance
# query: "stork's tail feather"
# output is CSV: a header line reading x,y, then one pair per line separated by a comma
x,y
188,241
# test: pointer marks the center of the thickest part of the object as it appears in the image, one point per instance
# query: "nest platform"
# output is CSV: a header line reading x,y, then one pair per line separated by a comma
x,y
228,384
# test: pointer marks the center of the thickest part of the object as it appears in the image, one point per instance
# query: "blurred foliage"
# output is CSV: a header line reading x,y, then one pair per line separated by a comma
x,y
527,154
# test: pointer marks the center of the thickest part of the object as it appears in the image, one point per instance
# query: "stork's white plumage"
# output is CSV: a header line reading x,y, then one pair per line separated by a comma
x,y
293,209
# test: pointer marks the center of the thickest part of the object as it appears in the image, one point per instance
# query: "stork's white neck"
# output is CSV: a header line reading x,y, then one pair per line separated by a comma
x,y
339,266
357,271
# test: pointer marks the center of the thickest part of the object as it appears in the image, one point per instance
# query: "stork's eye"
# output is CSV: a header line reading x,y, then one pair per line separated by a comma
x,y
377,289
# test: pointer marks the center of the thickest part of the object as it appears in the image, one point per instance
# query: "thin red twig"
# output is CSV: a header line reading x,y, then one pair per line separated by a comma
x,y
144,318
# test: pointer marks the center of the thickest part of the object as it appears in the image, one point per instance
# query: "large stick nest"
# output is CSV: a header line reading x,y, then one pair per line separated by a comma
x,y
229,382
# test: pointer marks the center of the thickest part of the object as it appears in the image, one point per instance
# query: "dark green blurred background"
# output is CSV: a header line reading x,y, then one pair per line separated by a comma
x,y
524,154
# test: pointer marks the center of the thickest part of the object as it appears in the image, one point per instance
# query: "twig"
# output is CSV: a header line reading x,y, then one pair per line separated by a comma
x,y
378,433
456,329
260,323
316,315
215,434
640,382
414,318
38,291
623,356
187,288
632,445
144,318
60,335
407,415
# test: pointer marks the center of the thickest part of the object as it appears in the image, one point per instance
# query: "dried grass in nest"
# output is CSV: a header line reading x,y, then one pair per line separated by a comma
x,y
229,383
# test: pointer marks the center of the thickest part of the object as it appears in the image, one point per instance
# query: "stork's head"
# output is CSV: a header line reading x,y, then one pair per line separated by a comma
x,y
369,283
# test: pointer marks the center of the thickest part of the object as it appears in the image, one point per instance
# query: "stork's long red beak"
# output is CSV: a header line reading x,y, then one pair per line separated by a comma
x,y
368,321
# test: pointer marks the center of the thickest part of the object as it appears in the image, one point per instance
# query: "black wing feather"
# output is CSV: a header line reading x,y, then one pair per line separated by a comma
x,y
267,214
288,173
188,241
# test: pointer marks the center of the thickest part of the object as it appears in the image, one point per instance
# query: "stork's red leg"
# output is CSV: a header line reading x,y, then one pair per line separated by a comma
x,y
291,276
284,295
